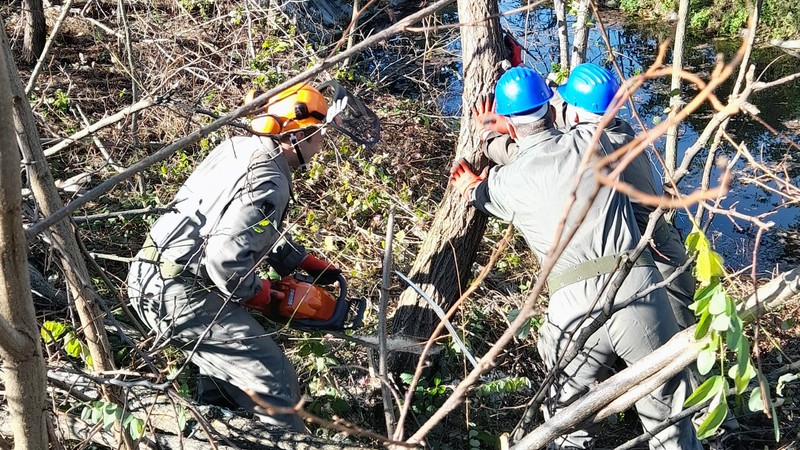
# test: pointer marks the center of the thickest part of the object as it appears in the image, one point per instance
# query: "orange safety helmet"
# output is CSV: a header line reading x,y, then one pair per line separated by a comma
x,y
297,107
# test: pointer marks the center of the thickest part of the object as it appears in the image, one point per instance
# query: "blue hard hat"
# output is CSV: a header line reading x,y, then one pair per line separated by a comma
x,y
589,87
520,90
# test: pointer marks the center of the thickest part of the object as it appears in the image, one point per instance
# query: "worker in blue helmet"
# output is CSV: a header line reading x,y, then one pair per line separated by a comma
x,y
531,191
581,102
588,92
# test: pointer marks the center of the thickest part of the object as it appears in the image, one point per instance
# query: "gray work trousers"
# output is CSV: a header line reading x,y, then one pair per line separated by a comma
x,y
669,255
234,348
632,332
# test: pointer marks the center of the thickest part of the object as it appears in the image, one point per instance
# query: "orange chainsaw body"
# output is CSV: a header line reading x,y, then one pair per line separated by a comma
x,y
300,300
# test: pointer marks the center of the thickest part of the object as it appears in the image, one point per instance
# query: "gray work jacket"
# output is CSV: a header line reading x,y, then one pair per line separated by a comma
x,y
501,149
533,188
228,217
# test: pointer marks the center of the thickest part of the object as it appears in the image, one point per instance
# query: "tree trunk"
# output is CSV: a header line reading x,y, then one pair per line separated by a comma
x,y
20,350
63,237
443,265
675,102
35,30
563,35
581,34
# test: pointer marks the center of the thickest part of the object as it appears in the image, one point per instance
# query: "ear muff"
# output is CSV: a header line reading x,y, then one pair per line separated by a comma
x,y
297,107
266,124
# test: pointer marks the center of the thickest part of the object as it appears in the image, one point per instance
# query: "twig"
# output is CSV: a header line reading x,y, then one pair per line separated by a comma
x,y
760,85
337,424
123,18
110,120
388,407
45,53
126,213
97,142
439,312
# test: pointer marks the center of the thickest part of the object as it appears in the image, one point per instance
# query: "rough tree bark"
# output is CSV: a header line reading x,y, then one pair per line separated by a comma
x,y
63,236
671,148
20,349
581,39
560,7
35,30
443,265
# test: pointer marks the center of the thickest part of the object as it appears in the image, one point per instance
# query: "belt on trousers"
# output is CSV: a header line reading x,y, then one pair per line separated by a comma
x,y
593,268
169,269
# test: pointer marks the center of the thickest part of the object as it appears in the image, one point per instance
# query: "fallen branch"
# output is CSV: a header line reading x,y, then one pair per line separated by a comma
x,y
112,119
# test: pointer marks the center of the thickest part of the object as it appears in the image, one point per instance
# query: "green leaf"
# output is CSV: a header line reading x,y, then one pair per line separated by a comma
x,y
719,302
97,412
711,387
182,417
709,265
741,378
73,346
52,330
705,361
785,378
86,413
721,323
712,422
525,329
734,333
754,403
406,377
656,120
702,326
136,428
694,240
730,308
702,296
674,92
743,352
775,425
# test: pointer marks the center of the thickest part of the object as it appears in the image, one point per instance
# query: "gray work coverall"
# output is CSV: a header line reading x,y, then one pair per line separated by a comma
x,y
666,246
199,262
531,191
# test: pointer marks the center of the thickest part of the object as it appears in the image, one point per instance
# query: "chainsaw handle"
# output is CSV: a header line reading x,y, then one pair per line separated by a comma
x,y
358,320
342,288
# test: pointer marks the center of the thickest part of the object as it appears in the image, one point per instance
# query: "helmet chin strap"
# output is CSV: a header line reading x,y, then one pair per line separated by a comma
x,y
296,147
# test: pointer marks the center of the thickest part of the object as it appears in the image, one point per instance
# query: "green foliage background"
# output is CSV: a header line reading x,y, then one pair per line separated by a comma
x,y
779,19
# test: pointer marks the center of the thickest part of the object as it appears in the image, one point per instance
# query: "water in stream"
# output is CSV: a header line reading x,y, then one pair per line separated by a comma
x,y
635,46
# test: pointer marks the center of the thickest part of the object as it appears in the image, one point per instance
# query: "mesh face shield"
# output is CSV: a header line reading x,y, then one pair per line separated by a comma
x,y
355,120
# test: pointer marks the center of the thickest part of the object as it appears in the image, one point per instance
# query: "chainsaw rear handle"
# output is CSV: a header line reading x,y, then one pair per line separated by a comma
x,y
340,312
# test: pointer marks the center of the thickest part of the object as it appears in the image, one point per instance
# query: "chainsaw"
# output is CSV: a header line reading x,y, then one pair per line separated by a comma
x,y
301,304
